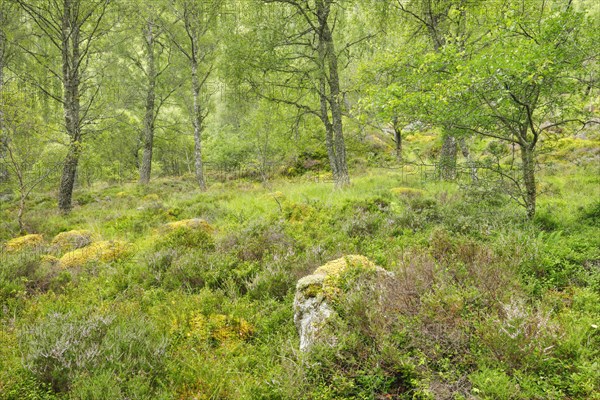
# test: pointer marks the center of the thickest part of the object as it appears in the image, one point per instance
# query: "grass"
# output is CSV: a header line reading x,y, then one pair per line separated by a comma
x,y
484,305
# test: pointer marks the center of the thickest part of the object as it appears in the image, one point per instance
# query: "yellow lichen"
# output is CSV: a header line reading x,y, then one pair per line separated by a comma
x,y
72,240
336,267
325,280
49,259
24,242
151,197
220,328
406,191
297,212
194,223
104,251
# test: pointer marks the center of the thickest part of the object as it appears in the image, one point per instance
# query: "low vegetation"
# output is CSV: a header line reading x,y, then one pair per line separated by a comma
x,y
189,295
299,199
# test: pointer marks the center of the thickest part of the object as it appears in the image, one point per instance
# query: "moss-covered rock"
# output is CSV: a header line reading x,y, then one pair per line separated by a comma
x,y
319,294
104,251
24,242
71,240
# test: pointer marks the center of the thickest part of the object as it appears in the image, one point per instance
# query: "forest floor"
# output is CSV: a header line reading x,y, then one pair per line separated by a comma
x,y
145,300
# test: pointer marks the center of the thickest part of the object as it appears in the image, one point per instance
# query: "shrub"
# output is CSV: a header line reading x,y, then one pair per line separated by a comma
x,y
219,329
186,234
407,192
272,282
27,272
591,213
62,349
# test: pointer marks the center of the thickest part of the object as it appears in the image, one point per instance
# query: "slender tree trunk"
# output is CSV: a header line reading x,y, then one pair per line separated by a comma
x,y
148,133
328,128
67,180
21,211
71,81
198,120
467,155
397,139
447,161
3,143
530,195
331,99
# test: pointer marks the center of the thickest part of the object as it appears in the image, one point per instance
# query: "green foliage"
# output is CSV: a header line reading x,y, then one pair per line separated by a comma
x,y
591,213
186,238
67,351
480,296
157,303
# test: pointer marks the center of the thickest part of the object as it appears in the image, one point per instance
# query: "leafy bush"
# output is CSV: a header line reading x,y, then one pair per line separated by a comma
x,y
591,214
186,238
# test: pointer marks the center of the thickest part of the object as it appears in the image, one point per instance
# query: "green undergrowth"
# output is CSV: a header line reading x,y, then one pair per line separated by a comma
x,y
485,304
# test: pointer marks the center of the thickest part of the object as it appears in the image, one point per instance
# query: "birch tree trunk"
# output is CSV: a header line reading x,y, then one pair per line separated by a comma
x,y
149,115
198,118
467,155
528,169
447,160
397,139
71,59
330,97
3,171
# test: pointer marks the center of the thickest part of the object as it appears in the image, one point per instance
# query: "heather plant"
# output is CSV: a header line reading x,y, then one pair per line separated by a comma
x,y
65,350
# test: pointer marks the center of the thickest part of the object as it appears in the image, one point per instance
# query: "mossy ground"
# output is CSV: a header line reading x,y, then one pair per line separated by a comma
x,y
487,304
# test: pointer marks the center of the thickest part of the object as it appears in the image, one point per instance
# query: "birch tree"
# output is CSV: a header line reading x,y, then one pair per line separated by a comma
x,y
73,27
198,44
299,60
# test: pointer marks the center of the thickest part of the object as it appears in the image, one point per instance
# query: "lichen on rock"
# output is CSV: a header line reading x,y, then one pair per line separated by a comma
x,y
72,240
317,295
24,242
104,251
